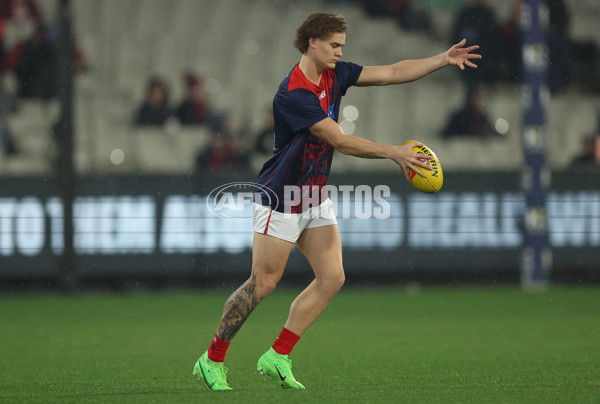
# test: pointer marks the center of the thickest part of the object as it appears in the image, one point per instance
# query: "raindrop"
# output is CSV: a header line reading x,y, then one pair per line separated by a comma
x,y
350,112
348,127
502,126
117,156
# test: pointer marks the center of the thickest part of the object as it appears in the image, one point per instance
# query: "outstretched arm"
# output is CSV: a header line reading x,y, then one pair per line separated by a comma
x,y
332,133
411,70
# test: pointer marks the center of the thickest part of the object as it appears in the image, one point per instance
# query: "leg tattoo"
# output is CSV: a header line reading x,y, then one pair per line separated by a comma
x,y
237,309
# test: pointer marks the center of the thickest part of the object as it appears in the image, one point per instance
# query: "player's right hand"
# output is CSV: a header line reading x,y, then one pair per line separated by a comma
x,y
409,160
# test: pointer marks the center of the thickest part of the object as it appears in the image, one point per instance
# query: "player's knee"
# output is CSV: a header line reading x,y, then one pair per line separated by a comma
x,y
265,285
334,282
267,276
340,280
264,289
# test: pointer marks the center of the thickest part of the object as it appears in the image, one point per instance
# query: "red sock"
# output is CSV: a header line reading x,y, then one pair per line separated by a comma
x,y
218,349
285,342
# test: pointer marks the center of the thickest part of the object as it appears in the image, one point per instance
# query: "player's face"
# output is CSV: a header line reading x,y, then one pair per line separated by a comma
x,y
329,51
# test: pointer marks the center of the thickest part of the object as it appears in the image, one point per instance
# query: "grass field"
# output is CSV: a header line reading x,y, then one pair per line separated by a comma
x,y
474,345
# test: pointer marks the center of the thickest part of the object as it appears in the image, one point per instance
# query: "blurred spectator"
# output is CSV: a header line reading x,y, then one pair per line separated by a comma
x,y
154,111
2,46
226,149
510,64
194,109
587,158
375,8
470,120
408,16
560,53
79,60
582,54
20,19
222,124
265,138
20,11
223,153
567,58
341,2
7,107
42,42
441,4
560,60
477,23
559,16
35,65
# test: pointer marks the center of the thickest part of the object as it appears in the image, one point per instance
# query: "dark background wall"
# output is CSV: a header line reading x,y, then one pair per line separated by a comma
x,y
140,228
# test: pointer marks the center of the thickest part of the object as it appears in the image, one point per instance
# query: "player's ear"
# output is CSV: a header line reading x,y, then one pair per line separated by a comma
x,y
312,42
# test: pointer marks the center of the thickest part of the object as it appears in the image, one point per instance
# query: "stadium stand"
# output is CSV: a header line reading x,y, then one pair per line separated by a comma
x,y
243,50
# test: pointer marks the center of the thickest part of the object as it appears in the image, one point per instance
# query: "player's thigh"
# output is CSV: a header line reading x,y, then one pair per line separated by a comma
x,y
269,256
322,247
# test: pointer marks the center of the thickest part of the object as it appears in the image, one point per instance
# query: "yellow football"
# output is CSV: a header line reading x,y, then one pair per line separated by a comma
x,y
434,178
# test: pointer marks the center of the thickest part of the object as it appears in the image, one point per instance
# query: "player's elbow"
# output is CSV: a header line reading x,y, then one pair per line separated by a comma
x,y
334,138
344,149
343,145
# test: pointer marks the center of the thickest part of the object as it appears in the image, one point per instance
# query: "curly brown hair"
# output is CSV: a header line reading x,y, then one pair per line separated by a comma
x,y
318,25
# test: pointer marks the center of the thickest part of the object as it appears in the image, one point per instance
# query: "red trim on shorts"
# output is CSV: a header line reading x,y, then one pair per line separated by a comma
x,y
268,220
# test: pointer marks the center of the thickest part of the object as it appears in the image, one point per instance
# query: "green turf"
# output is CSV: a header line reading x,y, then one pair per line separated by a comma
x,y
375,345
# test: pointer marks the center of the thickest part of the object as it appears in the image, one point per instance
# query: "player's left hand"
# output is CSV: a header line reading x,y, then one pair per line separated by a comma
x,y
459,56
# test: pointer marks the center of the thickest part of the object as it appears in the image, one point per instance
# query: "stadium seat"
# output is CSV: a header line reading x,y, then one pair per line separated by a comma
x,y
126,43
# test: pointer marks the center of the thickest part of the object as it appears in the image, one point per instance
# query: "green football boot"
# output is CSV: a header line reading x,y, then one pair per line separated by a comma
x,y
214,374
279,368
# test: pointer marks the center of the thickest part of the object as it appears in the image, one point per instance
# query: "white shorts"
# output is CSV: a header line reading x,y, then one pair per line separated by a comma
x,y
289,226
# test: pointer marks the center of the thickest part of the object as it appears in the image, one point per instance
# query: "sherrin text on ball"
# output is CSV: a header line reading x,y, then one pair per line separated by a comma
x,y
434,178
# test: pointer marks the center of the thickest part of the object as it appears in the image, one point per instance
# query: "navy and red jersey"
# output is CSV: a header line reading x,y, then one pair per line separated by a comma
x,y
299,157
